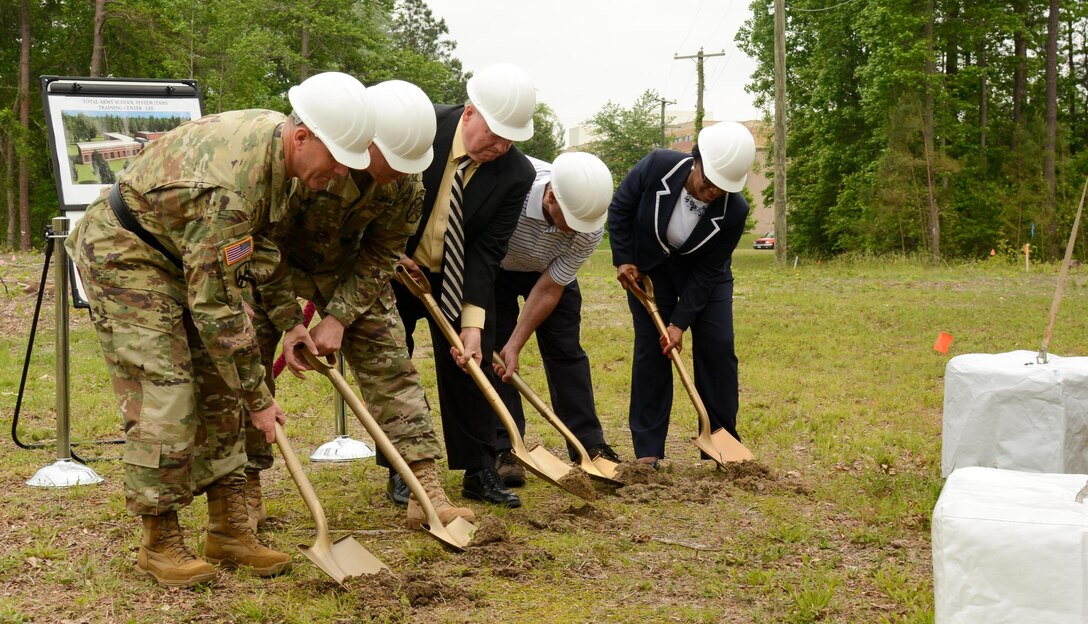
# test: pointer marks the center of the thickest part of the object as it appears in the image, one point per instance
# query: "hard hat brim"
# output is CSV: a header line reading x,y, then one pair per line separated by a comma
x,y
351,160
582,225
406,165
724,183
510,133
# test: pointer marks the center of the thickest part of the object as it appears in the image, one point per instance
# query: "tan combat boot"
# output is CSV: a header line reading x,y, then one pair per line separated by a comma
x,y
230,541
427,473
254,501
164,557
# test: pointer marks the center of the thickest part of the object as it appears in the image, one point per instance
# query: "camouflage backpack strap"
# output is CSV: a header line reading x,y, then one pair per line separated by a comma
x,y
129,222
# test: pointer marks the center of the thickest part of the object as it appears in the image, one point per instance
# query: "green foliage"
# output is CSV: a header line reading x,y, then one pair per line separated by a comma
x,y
242,54
623,136
859,91
548,135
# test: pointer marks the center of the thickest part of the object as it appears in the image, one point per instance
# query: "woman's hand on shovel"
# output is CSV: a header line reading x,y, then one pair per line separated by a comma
x,y
674,339
265,420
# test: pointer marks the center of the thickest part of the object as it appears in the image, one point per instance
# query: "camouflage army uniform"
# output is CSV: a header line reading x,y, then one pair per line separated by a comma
x,y
181,353
340,247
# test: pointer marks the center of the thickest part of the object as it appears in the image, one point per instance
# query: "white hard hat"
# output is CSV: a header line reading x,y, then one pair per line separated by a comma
x,y
336,108
406,125
583,186
505,96
727,150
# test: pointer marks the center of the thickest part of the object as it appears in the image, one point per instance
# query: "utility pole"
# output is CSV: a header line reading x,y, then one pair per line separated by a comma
x,y
780,244
663,103
699,69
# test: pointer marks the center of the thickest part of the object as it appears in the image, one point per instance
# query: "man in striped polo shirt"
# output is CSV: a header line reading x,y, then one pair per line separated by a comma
x,y
561,224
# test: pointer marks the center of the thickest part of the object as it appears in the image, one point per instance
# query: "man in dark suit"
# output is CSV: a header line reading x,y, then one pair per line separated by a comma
x,y
677,218
474,191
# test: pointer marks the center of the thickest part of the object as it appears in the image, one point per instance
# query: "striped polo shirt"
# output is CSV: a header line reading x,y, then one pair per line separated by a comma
x,y
537,247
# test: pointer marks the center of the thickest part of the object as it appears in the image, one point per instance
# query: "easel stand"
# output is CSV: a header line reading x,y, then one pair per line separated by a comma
x,y
64,472
342,448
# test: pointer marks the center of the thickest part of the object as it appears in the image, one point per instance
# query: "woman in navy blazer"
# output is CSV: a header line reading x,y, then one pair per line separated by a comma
x,y
677,218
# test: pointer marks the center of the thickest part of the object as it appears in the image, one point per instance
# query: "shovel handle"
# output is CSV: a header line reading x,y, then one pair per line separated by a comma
x,y
646,296
380,439
298,475
474,370
545,411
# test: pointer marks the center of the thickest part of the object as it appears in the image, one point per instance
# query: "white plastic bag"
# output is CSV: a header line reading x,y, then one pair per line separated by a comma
x,y
1007,411
1010,547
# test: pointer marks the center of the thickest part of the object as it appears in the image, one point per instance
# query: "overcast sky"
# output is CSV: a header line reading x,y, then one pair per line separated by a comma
x,y
581,54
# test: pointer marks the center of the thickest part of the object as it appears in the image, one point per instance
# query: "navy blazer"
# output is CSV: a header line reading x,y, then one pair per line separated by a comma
x,y
492,205
639,216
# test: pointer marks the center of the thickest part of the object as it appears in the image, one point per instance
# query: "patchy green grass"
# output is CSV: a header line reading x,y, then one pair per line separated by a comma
x,y
841,398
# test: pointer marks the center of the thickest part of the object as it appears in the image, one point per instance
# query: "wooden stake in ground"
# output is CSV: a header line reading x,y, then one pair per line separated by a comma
x,y
1041,358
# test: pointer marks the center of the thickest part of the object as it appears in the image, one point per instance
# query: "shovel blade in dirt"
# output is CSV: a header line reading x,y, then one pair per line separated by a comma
x,y
607,469
343,558
552,469
722,447
340,559
457,533
600,468
456,538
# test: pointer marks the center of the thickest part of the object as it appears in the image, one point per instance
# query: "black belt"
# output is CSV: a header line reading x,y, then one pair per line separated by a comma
x,y
129,222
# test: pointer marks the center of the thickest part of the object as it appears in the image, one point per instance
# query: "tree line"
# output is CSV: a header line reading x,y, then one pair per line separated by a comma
x,y
242,53
941,127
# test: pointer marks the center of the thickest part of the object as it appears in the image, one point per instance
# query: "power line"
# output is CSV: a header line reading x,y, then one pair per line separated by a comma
x,y
834,6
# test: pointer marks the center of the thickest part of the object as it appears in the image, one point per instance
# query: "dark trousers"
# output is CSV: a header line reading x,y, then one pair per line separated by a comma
x,y
468,421
710,339
566,364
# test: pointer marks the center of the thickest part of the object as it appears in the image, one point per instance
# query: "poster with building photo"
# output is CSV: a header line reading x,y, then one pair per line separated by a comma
x,y
97,126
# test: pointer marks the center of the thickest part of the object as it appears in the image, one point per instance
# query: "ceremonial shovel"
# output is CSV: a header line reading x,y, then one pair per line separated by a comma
x,y
538,460
720,445
340,559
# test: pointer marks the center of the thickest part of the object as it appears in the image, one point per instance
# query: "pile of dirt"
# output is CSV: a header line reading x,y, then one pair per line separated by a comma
x,y
423,589
636,473
573,518
377,596
489,531
577,482
501,554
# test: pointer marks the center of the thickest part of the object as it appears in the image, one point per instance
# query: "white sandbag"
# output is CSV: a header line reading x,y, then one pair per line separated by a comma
x,y
1005,410
1010,547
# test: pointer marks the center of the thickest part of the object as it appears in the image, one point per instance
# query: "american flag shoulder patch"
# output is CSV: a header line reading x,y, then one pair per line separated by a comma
x,y
236,252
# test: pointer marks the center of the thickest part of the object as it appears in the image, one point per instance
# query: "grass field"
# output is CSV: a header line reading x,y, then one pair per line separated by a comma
x,y
841,400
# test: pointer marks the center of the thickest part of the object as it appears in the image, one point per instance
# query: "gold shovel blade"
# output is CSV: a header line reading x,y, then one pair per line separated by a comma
x,y
544,464
607,468
343,559
722,447
457,534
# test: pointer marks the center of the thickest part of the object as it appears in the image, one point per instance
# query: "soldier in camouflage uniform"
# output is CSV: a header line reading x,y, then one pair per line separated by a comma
x,y
340,247
168,259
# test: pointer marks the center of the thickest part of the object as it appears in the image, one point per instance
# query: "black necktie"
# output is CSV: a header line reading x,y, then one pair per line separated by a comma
x,y
453,262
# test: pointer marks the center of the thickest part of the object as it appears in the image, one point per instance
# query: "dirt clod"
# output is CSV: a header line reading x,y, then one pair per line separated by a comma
x,y
423,589
490,531
636,473
577,482
377,595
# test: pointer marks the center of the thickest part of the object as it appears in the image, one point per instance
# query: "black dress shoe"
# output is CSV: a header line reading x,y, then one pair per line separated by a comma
x,y
603,450
486,485
397,490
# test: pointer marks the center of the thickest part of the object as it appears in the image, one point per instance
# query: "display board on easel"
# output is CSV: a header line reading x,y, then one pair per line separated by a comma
x,y
98,125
